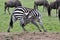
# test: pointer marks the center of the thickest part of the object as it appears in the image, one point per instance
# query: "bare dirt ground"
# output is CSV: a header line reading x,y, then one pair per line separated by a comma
x,y
30,36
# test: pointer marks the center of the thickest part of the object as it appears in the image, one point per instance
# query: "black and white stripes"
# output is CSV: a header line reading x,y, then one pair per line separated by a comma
x,y
25,15
17,15
33,16
19,11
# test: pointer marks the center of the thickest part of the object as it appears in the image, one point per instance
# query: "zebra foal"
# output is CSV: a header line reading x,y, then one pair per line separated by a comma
x,y
25,15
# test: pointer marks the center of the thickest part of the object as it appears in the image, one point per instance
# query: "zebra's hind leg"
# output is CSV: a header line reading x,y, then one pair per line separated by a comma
x,y
36,25
12,20
40,22
8,29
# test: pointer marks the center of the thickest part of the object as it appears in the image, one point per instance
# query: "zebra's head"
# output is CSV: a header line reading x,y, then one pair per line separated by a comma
x,y
32,13
27,15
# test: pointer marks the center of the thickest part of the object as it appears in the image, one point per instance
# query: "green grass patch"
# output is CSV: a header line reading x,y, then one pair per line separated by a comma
x,y
51,24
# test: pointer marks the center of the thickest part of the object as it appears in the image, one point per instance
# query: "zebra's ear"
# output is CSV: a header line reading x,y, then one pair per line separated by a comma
x,y
26,13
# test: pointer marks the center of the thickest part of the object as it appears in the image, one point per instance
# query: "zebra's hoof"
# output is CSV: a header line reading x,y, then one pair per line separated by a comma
x,y
8,31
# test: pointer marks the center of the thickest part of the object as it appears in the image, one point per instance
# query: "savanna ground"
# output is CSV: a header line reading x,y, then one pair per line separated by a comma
x,y
51,24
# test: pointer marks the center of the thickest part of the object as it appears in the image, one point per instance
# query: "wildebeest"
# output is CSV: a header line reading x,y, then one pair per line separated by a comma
x,y
26,15
59,13
11,3
40,3
53,5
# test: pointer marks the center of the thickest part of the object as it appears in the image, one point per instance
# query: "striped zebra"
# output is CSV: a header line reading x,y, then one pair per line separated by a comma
x,y
33,16
17,15
22,14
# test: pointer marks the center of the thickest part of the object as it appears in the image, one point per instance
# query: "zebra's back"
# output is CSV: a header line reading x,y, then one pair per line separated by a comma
x,y
19,11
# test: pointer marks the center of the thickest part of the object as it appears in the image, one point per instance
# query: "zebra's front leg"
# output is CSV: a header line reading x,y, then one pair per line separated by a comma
x,y
40,22
36,25
22,24
23,27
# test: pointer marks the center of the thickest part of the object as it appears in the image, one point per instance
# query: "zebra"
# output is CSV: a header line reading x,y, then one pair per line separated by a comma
x,y
21,13
17,15
32,16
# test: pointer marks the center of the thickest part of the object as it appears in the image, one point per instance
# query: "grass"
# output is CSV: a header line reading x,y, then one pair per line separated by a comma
x,y
52,23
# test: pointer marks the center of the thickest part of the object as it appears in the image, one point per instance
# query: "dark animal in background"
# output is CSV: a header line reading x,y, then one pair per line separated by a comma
x,y
57,0
11,3
25,15
43,3
59,13
53,5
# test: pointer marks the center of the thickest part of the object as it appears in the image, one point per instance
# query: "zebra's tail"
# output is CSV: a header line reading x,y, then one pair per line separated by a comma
x,y
11,22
